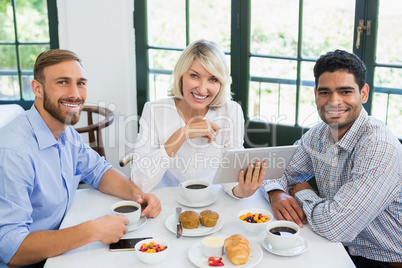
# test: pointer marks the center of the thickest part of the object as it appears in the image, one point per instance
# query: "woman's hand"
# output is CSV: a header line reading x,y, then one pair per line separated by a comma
x,y
151,204
196,128
251,181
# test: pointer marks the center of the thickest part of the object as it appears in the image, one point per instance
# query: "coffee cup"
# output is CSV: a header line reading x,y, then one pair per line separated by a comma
x,y
128,209
195,190
283,235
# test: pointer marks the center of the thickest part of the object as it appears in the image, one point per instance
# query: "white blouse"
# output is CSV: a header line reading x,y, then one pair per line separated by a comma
x,y
196,159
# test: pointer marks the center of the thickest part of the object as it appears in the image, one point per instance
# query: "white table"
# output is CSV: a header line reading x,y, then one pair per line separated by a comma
x,y
90,204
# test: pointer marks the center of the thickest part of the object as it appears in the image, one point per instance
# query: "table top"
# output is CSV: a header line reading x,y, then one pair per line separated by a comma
x,y
89,204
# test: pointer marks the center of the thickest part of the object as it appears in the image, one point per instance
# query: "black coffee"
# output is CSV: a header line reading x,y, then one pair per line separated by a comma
x,y
126,209
283,231
196,186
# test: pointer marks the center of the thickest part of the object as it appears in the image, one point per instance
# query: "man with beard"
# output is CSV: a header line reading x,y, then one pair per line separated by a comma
x,y
42,161
356,162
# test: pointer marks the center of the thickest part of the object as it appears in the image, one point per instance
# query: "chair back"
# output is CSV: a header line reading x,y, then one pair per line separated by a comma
x,y
94,129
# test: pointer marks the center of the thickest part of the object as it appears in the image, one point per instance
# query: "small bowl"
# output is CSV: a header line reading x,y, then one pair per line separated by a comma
x,y
254,227
152,258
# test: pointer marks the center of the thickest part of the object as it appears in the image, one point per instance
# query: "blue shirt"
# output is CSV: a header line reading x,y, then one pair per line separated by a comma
x,y
38,177
359,179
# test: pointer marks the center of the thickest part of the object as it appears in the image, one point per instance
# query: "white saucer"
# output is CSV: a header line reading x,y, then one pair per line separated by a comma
x,y
297,250
137,225
198,259
211,199
171,225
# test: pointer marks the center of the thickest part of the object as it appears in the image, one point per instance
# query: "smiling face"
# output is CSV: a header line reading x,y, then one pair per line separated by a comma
x,y
61,97
339,101
199,87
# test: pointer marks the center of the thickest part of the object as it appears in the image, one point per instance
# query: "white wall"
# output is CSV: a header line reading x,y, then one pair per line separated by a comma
x,y
101,33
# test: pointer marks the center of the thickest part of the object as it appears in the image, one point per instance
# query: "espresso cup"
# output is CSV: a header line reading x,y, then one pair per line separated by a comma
x,y
283,235
128,209
195,190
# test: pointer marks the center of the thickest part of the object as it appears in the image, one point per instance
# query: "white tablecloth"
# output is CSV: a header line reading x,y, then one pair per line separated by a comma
x,y
90,204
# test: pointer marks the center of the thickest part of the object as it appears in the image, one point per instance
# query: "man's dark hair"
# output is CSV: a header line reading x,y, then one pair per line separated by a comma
x,y
340,60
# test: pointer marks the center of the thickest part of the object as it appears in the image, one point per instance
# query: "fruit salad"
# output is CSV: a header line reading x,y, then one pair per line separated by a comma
x,y
254,218
152,248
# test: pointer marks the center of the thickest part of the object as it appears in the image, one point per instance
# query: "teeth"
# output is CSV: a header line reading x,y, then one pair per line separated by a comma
x,y
70,105
335,112
199,97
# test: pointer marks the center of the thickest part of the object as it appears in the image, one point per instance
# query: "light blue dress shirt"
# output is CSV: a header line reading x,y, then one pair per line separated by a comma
x,y
39,176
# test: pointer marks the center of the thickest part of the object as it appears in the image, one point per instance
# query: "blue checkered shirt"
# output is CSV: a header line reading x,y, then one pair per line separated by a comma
x,y
359,180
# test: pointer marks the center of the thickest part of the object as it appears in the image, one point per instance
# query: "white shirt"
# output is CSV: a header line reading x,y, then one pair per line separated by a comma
x,y
196,159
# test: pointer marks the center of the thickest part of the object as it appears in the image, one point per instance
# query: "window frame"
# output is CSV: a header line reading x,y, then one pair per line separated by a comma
x,y
53,43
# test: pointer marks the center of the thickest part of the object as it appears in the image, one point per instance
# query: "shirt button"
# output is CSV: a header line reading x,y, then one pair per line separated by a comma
x,y
63,173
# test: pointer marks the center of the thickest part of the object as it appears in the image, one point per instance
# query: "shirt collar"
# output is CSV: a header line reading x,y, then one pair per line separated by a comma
x,y
42,132
353,135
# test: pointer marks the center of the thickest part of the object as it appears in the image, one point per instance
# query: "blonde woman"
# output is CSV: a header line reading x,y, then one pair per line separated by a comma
x,y
184,137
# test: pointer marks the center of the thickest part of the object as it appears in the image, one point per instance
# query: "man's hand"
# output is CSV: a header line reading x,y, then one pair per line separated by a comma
x,y
300,186
110,228
285,207
252,181
150,204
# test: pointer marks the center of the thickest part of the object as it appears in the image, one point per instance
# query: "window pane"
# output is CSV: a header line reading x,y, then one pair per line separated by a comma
x,y
28,55
163,59
388,77
9,89
167,23
327,25
395,115
308,115
32,21
389,42
379,109
213,23
159,85
8,58
272,32
271,102
7,23
27,93
263,67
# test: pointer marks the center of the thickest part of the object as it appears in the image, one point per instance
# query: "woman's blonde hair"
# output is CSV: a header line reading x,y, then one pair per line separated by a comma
x,y
213,59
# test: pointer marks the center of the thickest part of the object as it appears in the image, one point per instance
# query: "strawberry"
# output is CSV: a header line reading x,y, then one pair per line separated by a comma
x,y
215,261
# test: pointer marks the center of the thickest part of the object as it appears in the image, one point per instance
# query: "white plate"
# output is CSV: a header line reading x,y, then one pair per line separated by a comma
x,y
199,260
171,225
182,200
137,225
297,250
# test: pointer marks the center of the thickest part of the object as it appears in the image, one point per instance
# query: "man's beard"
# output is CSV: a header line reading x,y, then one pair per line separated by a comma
x,y
71,118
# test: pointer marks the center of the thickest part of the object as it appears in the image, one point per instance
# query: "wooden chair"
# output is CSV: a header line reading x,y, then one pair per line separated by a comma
x,y
94,129
127,158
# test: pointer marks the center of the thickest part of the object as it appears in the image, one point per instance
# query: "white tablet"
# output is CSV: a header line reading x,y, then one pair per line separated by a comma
x,y
277,159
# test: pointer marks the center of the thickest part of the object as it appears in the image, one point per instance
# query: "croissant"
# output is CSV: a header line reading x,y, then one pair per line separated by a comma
x,y
237,248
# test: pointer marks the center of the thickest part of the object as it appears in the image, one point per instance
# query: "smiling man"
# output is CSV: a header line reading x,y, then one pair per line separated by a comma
x,y
356,161
42,161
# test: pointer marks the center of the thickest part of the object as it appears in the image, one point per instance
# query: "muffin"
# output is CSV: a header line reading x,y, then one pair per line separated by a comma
x,y
189,219
209,218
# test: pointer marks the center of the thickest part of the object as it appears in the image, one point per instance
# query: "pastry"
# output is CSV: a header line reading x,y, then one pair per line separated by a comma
x,y
237,248
209,218
189,219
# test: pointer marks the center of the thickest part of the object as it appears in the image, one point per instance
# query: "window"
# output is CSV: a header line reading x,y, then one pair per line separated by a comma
x,y
28,28
272,47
